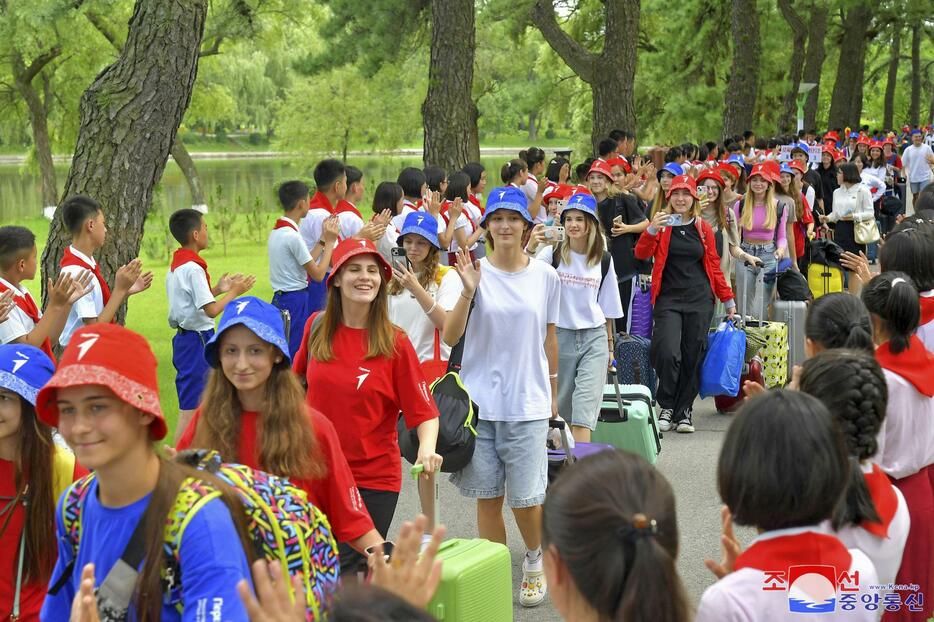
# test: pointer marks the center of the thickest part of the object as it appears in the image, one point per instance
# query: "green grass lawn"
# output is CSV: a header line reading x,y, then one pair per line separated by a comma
x,y
148,311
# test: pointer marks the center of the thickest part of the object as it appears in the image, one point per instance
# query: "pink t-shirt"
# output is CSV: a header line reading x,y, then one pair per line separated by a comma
x,y
759,231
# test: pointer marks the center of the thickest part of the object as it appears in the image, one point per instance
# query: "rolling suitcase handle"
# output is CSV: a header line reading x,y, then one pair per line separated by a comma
x,y
562,427
416,471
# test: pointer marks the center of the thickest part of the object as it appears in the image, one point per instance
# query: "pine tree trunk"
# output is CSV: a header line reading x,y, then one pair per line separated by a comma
x,y
38,120
741,92
187,165
814,62
888,113
846,100
610,74
914,110
129,117
446,112
787,120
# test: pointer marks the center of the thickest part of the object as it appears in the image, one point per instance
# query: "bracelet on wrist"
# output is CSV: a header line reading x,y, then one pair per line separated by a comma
x,y
433,307
467,298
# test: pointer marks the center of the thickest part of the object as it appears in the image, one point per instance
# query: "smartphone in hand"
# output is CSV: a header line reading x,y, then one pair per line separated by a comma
x,y
399,258
675,220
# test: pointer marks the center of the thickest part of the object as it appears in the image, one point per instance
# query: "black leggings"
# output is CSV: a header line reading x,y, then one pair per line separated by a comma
x,y
381,505
679,343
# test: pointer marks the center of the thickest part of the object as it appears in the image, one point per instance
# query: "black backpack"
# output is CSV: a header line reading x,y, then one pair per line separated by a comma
x,y
792,285
458,414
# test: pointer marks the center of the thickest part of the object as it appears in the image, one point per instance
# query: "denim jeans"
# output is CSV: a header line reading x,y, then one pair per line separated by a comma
x,y
583,358
746,281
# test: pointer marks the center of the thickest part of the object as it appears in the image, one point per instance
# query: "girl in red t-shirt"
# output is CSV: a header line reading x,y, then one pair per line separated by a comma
x,y
361,372
253,412
33,473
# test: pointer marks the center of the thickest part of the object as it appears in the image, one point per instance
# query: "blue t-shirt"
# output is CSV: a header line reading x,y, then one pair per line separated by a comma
x,y
211,566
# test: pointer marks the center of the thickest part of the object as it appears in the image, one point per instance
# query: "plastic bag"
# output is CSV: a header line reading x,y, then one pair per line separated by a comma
x,y
723,365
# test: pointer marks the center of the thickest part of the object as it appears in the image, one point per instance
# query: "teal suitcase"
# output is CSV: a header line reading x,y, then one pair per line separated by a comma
x,y
627,420
476,577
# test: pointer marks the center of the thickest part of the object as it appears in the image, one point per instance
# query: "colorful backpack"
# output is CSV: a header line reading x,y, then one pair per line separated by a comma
x,y
281,522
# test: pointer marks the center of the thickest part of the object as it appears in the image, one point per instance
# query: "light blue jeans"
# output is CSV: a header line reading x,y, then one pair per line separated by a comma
x,y
746,281
583,358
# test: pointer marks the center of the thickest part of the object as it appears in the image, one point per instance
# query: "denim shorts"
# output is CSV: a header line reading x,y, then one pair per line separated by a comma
x,y
918,186
510,459
583,358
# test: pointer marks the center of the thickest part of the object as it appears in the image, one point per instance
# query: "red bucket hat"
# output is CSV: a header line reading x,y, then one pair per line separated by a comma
x,y
350,248
727,169
682,182
599,166
798,166
709,173
620,162
774,169
762,171
863,140
839,155
111,356
558,191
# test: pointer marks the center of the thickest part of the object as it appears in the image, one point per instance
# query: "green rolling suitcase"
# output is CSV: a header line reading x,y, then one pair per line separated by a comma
x,y
476,578
627,420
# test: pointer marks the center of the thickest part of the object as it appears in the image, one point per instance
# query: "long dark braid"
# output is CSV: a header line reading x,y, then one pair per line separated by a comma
x,y
852,386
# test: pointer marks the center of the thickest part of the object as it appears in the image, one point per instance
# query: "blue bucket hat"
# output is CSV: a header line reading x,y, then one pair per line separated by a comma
x,y
800,146
259,316
507,197
784,168
583,202
672,168
24,369
423,224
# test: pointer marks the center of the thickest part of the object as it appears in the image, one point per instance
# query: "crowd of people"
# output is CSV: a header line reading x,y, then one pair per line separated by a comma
x,y
530,282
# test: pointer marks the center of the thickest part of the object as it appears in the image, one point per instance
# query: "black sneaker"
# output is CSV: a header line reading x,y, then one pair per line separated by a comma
x,y
685,426
664,419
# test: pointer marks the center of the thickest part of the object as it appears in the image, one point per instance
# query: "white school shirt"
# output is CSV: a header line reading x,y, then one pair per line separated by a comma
x,y
873,183
399,219
906,440
312,226
853,201
530,188
585,301
287,258
17,324
739,597
350,224
88,306
504,366
925,332
406,313
885,553
461,223
916,164
188,291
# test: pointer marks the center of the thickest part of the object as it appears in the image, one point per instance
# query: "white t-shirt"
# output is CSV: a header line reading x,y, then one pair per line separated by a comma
x,y
188,291
406,313
740,597
462,223
906,440
350,224
872,181
504,366
88,306
17,324
916,163
287,258
399,219
312,226
885,553
586,302
925,332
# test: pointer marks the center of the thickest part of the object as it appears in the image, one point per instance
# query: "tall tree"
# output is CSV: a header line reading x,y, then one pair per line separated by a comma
x,y
448,111
799,40
742,90
611,72
914,109
846,102
891,81
129,117
814,61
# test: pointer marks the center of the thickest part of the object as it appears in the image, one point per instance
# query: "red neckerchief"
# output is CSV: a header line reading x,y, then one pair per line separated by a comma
x,y
476,201
927,309
320,201
916,364
70,259
344,206
446,205
183,256
282,223
806,548
27,305
884,498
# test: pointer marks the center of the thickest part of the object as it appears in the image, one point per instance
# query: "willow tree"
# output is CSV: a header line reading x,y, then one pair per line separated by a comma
x,y
128,119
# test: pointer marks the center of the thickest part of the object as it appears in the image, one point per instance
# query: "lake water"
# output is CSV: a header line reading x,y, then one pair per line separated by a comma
x,y
245,179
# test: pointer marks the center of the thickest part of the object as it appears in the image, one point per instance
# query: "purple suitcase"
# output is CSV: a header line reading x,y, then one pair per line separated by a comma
x,y
640,316
557,459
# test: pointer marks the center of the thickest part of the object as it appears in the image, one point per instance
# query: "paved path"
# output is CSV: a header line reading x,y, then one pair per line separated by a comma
x,y
689,461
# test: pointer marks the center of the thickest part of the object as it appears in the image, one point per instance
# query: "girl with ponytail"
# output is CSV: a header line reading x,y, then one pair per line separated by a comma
x,y
838,320
907,440
874,515
624,568
783,469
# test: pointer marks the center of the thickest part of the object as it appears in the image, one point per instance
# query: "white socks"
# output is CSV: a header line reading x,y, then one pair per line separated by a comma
x,y
533,560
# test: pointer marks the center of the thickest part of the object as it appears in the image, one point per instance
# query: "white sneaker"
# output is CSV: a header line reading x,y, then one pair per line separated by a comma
x,y
664,419
685,426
